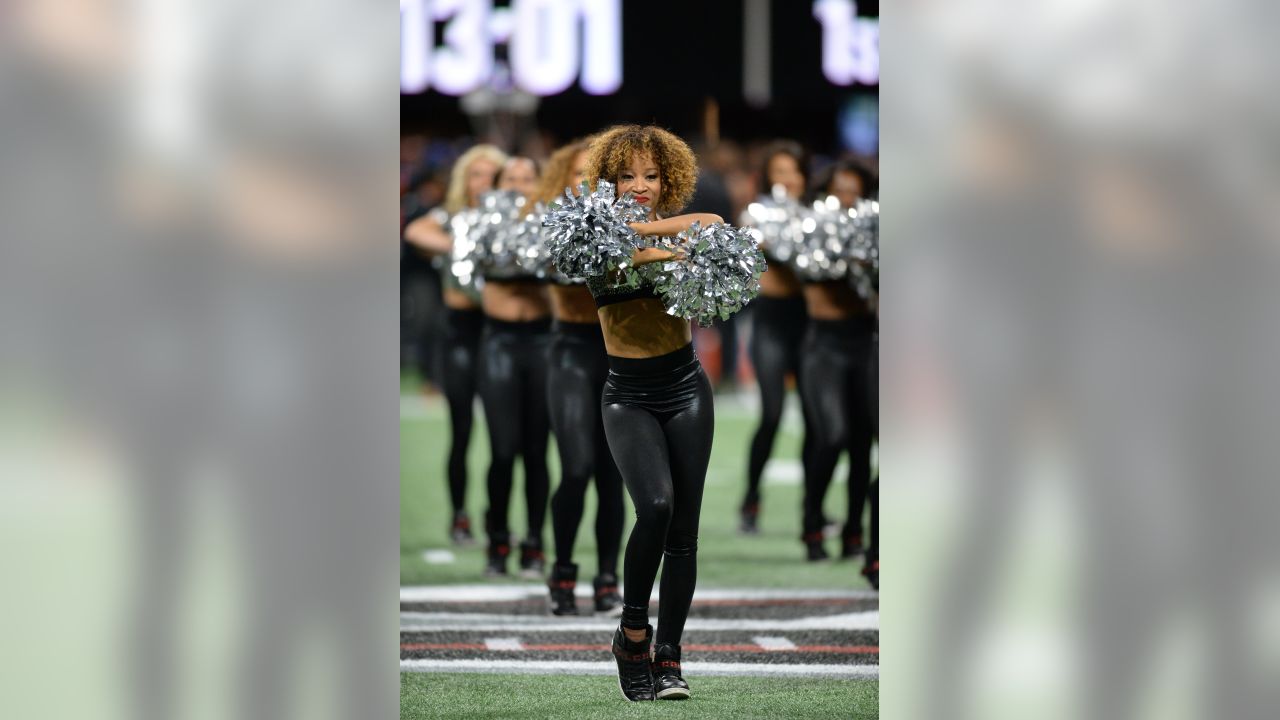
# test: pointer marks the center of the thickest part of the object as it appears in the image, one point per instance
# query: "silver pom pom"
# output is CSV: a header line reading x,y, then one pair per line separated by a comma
x,y
828,246
464,261
504,245
717,273
776,222
588,235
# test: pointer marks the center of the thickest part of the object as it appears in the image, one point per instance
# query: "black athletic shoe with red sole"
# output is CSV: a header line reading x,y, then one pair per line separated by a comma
x,y
608,601
750,524
871,571
668,684
813,547
496,565
635,677
563,582
460,529
851,545
532,562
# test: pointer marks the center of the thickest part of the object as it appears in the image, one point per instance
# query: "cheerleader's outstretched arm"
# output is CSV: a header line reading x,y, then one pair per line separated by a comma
x,y
427,235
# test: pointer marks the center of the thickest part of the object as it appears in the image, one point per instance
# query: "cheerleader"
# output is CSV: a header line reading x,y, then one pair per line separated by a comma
x,y
834,368
577,367
657,410
777,325
513,388
473,174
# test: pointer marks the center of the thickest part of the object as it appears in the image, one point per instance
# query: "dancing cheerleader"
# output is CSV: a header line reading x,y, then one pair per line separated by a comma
x,y
778,321
834,367
577,367
513,388
657,401
473,174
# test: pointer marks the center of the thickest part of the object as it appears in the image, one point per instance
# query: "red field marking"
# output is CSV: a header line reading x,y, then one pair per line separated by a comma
x,y
838,649
780,602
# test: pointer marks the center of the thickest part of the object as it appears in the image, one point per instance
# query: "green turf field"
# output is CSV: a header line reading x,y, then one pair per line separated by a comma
x,y
484,697
774,558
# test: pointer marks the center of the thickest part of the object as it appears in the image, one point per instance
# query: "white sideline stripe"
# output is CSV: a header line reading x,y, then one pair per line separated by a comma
x,y
769,642
508,593
438,557
503,644
580,667
485,622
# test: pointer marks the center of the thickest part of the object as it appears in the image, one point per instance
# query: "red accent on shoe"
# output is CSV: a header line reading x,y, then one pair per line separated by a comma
x,y
753,509
667,664
462,524
533,555
565,584
606,590
503,549
812,537
632,656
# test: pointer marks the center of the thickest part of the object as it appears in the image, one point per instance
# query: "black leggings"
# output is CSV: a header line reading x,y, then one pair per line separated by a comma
x,y
777,329
513,386
834,370
873,495
577,368
459,349
659,418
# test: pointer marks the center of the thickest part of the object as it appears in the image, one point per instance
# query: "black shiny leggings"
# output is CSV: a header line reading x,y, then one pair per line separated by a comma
x,y
834,368
659,418
577,367
513,386
777,330
460,344
873,495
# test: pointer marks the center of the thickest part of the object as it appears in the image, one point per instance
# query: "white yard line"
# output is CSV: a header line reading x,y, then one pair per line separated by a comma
x,y
439,557
509,593
487,622
538,667
503,644
770,642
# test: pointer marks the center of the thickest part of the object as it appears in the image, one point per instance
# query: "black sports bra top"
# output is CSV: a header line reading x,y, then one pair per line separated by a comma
x,y
606,293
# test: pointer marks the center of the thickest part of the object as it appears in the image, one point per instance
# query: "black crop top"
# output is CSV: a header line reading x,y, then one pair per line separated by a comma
x,y
606,293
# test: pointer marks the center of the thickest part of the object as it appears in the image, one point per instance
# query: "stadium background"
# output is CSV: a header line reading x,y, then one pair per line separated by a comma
x,y
727,77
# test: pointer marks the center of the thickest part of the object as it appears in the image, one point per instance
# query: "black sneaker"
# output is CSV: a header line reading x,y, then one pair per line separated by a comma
x,y
750,524
608,601
532,562
871,571
460,530
564,580
635,677
496,565
666,673
851,545
813,547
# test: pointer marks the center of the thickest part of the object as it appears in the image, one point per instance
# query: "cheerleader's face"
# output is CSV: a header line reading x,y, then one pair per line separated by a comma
x,y
480,179
641,179
785,171
578,173
520,175
847,187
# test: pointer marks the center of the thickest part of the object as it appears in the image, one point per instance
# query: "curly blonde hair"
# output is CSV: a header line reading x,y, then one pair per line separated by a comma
x,y
611,151
558,173
455,198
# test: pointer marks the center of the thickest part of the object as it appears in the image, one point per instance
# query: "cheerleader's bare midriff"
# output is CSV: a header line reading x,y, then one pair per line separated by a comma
x,y
573,303
642,328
